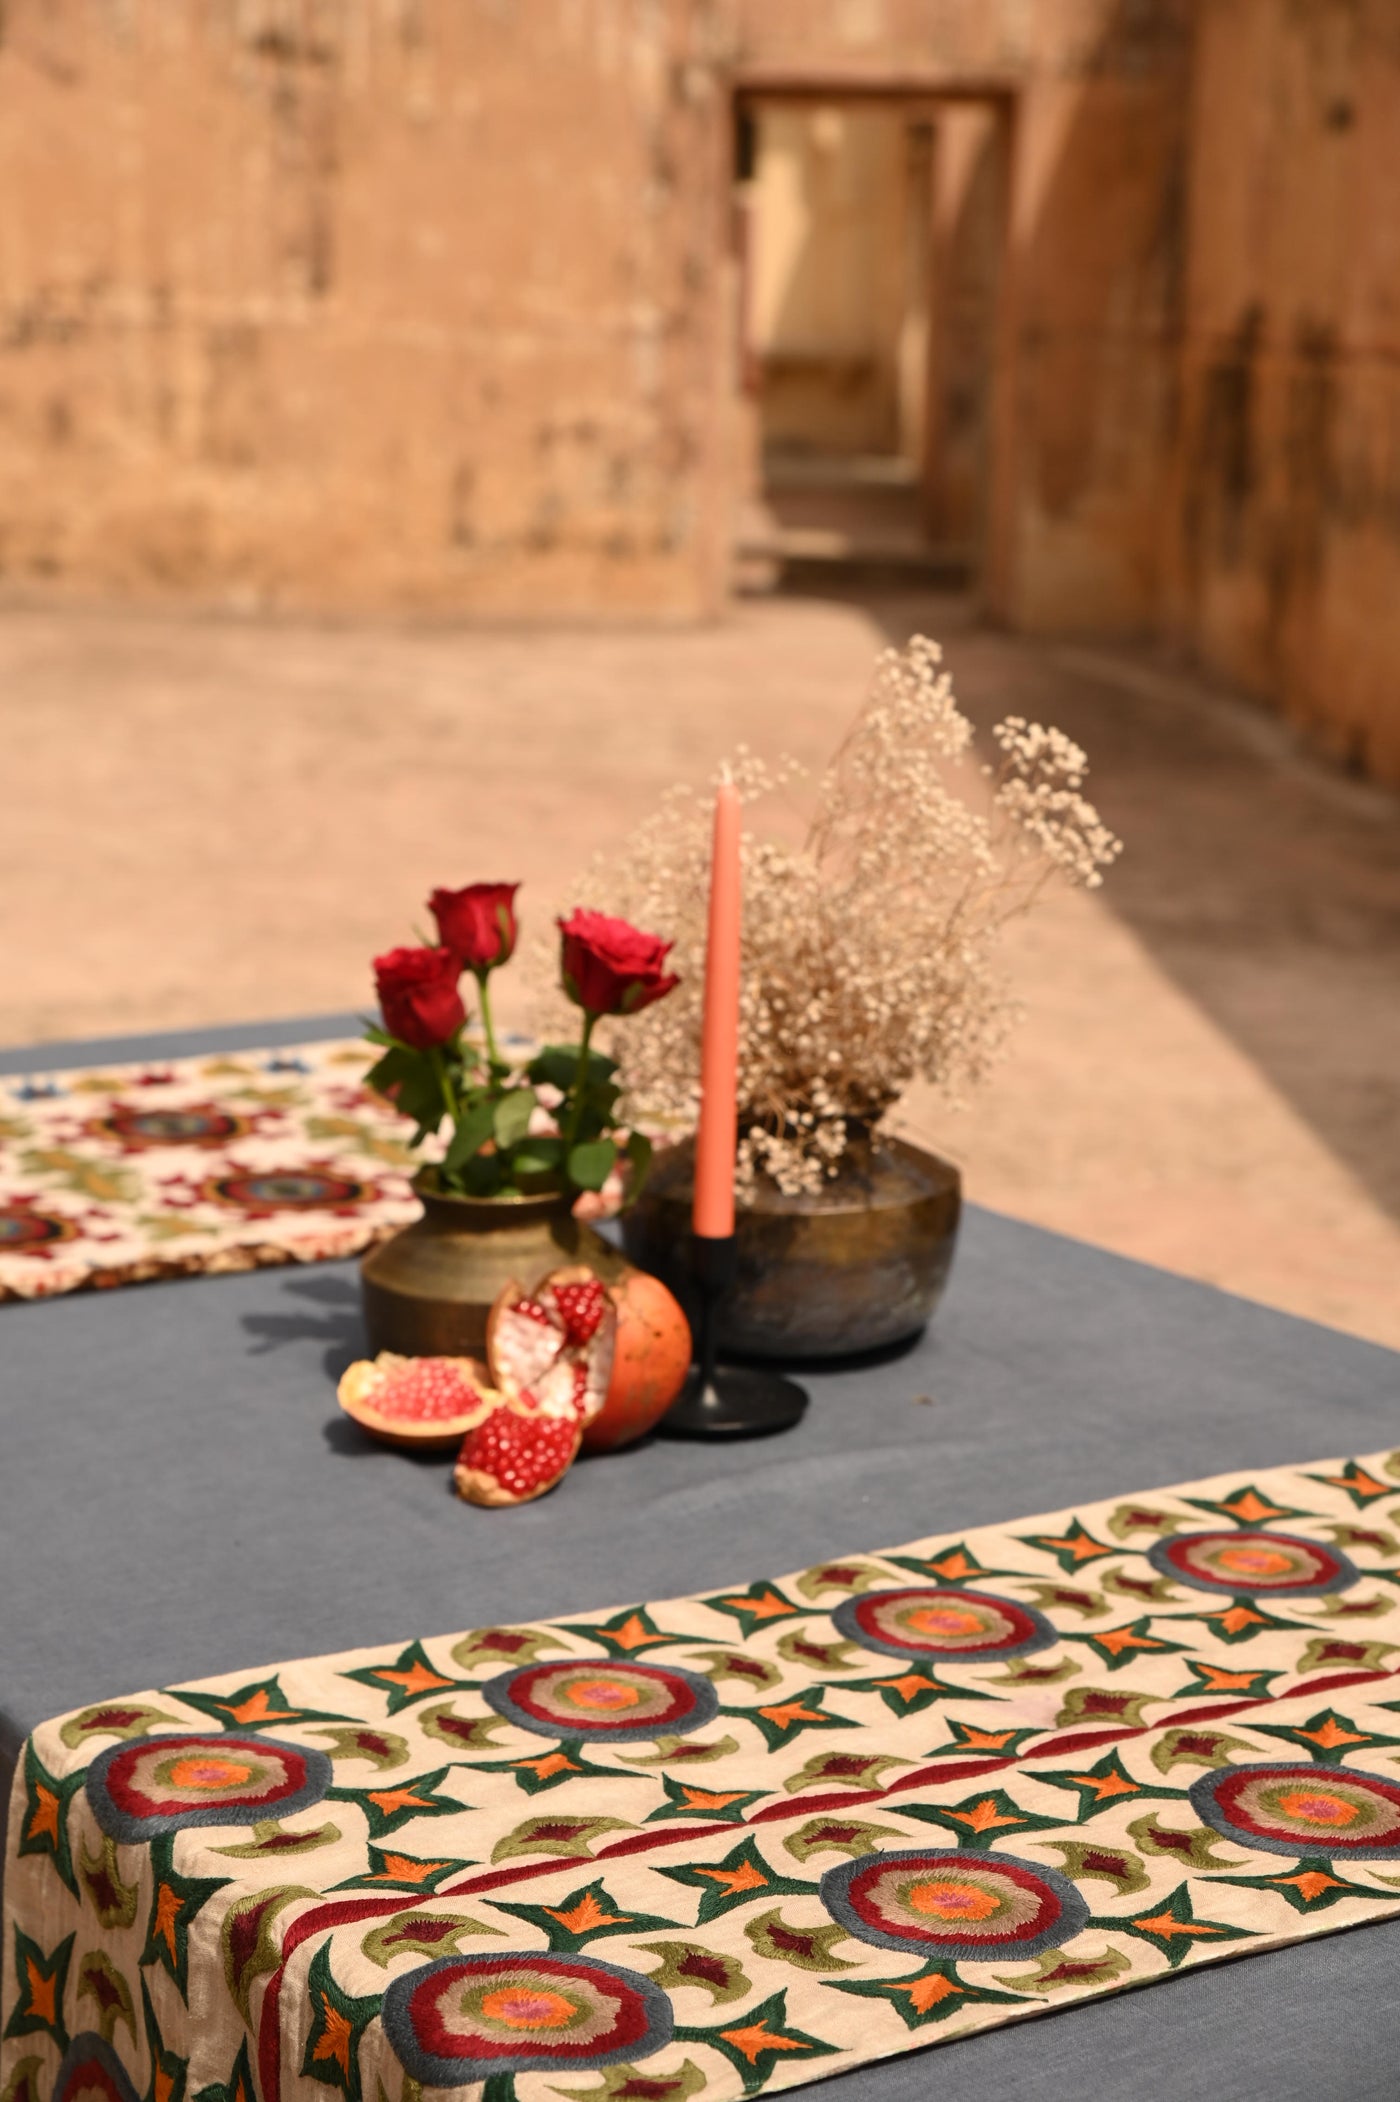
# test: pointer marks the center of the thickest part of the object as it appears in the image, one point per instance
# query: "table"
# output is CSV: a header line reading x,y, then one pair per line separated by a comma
x,y
179,1495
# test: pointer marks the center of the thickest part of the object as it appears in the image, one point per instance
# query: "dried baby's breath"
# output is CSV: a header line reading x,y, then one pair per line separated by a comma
x,y
867,957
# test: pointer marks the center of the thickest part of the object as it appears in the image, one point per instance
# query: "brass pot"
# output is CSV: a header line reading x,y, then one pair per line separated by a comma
x,y
860,1264
428,1289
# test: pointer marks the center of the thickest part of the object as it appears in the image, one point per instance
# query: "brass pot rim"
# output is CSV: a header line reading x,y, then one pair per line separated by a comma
x,y
485,1214
847,1196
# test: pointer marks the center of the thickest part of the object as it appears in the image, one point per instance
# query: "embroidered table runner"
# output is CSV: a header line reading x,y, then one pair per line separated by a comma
x,y
709,1846
226,1162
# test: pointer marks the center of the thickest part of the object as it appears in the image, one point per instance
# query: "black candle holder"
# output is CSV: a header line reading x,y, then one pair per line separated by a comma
x,y
726,1401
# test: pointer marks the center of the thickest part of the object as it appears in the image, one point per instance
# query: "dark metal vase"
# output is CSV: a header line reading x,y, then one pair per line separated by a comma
x,y
861,1264
428,1289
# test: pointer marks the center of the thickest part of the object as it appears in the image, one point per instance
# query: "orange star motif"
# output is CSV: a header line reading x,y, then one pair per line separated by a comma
x,y
633,1634
1218,1680
1233,1618
1106,1786
907,1687
42,1993
758,2037
546,1764
1251,1509
1330,1734
1116,1640
745,1877
1163,1924
709,1799
953,1566
983,1816
167,1911
769,1607
1311,1883
925,1993
44,1823
258,1708
401,1868
1082,1550
1358,1479
388,1800
334,2040
417,1679
587,1915
788,1712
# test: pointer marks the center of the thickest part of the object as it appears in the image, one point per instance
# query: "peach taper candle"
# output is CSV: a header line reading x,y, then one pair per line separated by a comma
x,y
717,1137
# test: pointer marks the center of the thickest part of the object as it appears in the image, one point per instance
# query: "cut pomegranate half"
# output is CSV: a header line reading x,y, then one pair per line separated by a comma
x,y
419,1404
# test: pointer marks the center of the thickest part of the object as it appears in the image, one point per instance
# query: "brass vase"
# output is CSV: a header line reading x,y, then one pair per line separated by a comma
x,y
428,1289
859,1264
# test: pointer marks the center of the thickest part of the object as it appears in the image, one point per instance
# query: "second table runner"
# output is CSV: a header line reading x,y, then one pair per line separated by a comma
x,y
731,1843
233,1160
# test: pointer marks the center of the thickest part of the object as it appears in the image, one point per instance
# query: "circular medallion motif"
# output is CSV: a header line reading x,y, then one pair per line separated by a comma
x,y
1302,1810
936,1622
597,1698
1248,1563
22,1229
948,1905
288,1190
464,2018
154,1785
92,2072
171,1127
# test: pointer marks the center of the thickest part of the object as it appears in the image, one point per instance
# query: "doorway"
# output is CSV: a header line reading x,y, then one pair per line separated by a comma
x,y
870,235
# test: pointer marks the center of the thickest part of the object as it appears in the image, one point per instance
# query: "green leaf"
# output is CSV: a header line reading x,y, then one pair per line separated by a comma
x,y
411,1079
470,1136
485,1176
534,1159
557,1064
391,1068
538,1157
591,1165
639,1150
512,1116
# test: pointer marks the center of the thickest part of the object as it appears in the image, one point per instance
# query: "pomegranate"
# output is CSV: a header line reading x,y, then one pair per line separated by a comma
x,y
516,1453
421,1404
569,1320
650,1362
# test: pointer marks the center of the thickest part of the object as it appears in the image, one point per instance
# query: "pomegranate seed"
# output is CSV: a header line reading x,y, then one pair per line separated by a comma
x,y
426,1390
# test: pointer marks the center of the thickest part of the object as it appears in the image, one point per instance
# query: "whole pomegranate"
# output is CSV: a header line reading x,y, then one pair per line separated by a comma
x,y
651,1358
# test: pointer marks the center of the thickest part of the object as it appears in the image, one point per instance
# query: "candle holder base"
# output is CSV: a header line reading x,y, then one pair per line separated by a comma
x,y
733,1401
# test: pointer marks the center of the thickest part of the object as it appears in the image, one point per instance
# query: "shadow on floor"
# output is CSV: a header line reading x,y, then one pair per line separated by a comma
x,y
1263,882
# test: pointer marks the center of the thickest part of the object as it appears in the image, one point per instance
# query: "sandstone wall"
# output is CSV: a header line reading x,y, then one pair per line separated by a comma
x,y
376,303
1286,520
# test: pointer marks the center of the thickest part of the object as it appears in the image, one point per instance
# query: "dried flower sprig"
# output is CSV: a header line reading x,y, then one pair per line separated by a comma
x,y
868,949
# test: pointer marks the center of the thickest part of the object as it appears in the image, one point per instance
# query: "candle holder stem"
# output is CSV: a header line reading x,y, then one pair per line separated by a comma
x,y
726,1401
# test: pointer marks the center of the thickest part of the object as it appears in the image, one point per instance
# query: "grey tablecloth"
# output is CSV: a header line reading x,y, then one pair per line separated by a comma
x,y
179,1496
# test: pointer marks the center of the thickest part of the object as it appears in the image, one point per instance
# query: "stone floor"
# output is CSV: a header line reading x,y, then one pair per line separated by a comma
x,y
202,820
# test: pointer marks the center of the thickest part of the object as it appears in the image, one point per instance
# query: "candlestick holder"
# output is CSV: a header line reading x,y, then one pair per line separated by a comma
x,y
726,1401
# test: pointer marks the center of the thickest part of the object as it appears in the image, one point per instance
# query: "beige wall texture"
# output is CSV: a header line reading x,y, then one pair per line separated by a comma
x,y
396,303
1286,564
432,305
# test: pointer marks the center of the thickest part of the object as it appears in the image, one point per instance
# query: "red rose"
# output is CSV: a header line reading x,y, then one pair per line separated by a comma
x,y
610,968
418,995
477,924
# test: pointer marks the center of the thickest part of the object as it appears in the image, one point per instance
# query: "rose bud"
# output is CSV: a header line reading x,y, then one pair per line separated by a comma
x,y
477,924
418,995
609,967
